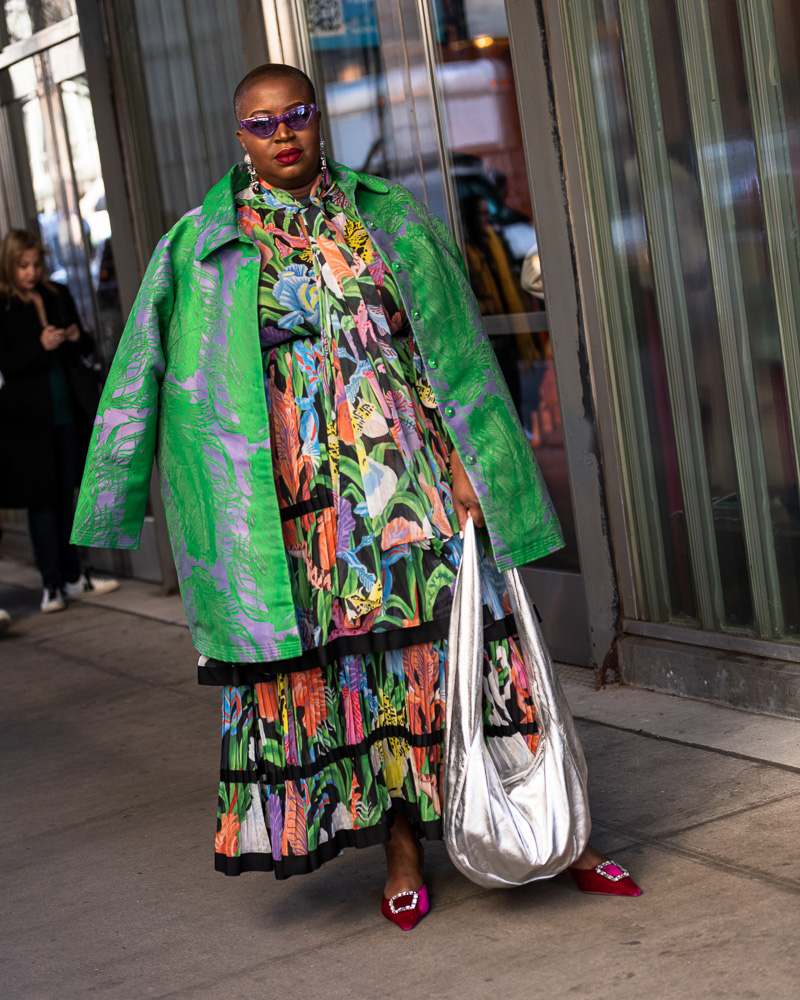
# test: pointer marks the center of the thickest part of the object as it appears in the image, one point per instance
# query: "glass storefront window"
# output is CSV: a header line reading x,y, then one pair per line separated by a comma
x,y
786,17
486,160
61,182
24,17
387,107
59,227
378,100
765,356
91,200
344,37
689,131
43,190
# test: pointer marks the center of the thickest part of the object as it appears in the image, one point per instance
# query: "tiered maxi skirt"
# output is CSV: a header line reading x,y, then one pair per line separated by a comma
x,y
322,752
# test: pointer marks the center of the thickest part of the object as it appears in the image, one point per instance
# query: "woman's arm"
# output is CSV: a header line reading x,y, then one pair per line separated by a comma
x,y
465,499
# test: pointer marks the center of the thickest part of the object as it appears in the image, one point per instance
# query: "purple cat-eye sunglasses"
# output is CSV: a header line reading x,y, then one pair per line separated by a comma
x,y
265,126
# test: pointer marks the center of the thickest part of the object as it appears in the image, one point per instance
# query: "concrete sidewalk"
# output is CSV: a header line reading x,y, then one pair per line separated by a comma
x,y
109,800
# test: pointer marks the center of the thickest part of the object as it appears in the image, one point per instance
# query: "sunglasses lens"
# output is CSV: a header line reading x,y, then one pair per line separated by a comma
x,y
262,128
301,117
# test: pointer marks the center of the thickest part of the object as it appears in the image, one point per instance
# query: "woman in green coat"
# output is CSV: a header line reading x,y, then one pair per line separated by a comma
x,y
306,360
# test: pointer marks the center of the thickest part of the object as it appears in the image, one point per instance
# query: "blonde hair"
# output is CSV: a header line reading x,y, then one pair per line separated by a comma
x,y
16,243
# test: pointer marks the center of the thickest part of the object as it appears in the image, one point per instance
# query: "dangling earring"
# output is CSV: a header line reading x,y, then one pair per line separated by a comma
x,y
323,161
254,182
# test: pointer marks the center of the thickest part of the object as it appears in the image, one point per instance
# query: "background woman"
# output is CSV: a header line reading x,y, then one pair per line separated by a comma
x,y
47,403
308,354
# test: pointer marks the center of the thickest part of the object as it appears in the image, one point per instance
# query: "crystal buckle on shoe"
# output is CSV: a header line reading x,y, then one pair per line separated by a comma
x,y
402,909
600,869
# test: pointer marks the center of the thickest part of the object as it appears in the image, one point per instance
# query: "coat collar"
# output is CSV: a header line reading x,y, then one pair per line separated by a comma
x,y
218,213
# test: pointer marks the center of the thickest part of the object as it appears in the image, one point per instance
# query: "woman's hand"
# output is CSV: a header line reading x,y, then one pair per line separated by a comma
x,y
72,333
51,338
465,500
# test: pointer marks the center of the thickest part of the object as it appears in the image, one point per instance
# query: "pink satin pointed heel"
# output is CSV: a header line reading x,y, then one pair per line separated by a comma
x,y
606,879
407,908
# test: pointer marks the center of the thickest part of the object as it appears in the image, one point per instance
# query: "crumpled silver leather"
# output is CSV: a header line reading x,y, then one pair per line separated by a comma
x,y
510,816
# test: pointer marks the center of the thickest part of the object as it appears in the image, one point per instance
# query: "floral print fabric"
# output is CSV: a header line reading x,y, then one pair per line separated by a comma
x,y
317,760
359,451
315,755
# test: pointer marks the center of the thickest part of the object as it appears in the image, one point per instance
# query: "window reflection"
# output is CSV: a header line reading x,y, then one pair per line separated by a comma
x,y
709,337
630,239
344,36
381,108
786,17
95,221
65,184
497,287
24,17
487,165
61,230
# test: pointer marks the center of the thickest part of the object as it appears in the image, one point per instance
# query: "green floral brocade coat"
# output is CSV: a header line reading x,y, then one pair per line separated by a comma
x,y
186,386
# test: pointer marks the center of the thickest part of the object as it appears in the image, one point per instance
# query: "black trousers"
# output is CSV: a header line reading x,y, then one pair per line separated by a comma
x,y
50,527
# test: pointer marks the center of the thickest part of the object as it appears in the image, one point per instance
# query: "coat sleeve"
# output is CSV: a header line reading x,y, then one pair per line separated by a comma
x,y
476,405
441,233
116,478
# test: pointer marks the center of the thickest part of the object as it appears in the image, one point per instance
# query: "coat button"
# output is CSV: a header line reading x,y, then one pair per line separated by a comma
x,y
416,314
449,411
432,362
470,459
371,224
397,266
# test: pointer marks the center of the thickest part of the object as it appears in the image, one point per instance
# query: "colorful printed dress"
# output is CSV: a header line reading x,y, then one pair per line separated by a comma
x,y
318,752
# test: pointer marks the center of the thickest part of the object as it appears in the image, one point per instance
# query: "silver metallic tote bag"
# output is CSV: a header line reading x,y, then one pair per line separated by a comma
x,y
509,816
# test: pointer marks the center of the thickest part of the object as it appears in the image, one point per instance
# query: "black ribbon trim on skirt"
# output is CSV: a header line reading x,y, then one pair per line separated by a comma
x,y
264,771
218,672
305,863
320,498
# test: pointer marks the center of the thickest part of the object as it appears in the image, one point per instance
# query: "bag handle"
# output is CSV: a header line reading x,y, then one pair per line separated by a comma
x,y
465,684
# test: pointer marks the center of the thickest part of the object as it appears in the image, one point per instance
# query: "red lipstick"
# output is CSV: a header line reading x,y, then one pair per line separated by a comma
x,y
289,156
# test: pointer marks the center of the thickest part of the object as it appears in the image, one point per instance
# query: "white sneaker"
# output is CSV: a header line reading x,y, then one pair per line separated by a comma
x,y
5,620
52,600
86,586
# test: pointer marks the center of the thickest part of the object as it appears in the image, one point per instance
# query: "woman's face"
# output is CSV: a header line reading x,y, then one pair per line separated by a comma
x,y
29,270
288,159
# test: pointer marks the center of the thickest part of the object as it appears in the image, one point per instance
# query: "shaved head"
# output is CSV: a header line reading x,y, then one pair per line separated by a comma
x,y
267,73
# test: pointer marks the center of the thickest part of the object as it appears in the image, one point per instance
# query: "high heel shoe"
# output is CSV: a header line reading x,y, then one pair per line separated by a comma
x,y
606,879
409,913
408,907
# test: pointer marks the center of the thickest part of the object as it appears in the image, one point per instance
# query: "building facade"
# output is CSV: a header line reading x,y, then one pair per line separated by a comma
x,y
623,177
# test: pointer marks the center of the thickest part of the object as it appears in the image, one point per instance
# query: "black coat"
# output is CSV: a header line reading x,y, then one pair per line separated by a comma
x,y
27,447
